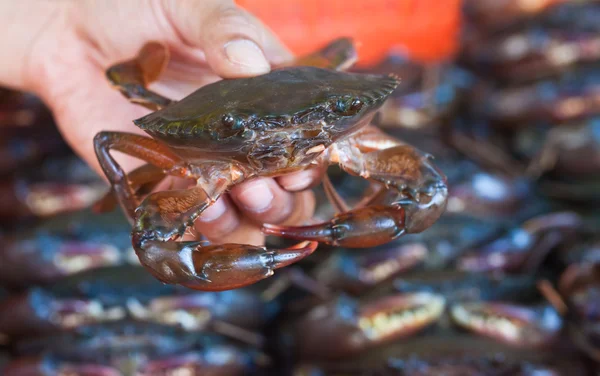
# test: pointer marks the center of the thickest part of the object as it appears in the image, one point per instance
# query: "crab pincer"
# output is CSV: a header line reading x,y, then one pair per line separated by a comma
x,y
415,197
216,267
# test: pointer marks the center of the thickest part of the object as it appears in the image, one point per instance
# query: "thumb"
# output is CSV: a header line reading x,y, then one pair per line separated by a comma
x,y
235,43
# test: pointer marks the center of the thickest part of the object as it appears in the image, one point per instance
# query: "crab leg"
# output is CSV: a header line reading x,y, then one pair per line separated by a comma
x,y
297,277
143,180
557,141
131,77
415,199
338,203
138,146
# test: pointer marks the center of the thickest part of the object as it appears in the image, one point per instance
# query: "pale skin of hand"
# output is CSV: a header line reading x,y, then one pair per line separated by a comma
x,y
60,50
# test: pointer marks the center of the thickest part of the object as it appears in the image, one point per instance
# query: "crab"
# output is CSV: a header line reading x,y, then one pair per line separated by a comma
x,y
303,113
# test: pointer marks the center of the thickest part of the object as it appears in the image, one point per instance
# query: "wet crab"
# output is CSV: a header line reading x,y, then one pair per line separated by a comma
x,y
299,115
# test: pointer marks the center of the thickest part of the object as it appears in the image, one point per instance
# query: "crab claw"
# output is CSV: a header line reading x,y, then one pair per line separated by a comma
x,y
364,227
393,215
216,267
345,326
512,324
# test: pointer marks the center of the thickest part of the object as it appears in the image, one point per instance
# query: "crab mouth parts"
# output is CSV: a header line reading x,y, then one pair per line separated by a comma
x,y
401,315
509,324
396,261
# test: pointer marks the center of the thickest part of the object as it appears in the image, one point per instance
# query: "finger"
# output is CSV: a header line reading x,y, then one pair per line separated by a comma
x,y
303,209
218,220
235,43
264,201
247,232
227,226
301,180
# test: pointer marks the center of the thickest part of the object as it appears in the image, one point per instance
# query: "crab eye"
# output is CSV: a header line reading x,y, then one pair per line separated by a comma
x,y
228,120
355,105
231,121
348,106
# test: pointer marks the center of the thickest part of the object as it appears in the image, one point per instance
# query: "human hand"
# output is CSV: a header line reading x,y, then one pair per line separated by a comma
x,y
208,40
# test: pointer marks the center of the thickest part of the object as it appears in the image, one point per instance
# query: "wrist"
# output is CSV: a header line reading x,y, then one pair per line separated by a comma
x,y
26,23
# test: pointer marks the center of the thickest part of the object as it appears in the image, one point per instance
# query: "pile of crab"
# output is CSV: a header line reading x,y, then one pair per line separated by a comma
x,y
455,232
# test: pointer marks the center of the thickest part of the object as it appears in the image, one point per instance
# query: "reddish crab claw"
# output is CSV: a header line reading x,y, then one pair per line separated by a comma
x,y
215,267
415,198
346,326
300,114
512,324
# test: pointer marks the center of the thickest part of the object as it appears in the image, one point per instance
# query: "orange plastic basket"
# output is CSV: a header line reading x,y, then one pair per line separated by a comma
x,y
426,29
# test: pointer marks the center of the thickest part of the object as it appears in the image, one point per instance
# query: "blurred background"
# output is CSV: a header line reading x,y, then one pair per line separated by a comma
x,y
505,96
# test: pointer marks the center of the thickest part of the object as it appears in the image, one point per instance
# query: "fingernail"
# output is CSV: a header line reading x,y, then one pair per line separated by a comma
x,y
256,196
297,182
214,211
246,53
